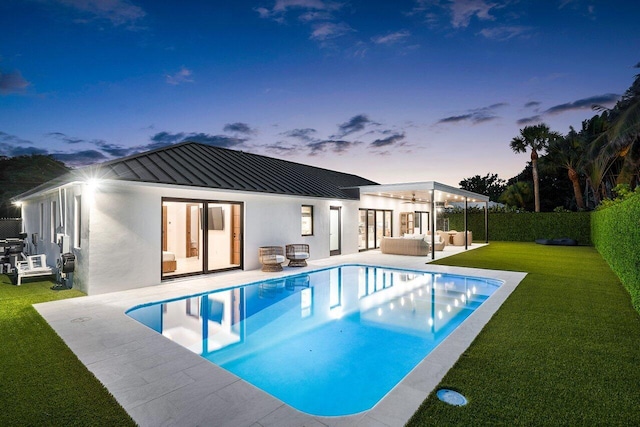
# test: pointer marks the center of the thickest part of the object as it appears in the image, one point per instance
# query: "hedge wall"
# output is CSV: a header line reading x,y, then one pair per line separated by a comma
x,y
615,231
526,226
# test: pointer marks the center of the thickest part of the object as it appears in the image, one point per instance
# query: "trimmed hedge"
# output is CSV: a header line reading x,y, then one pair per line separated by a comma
x,y
616,235
526,226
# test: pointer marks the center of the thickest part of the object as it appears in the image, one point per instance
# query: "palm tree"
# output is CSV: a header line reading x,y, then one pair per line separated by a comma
x,y
536,138
623,134
568,153
517,194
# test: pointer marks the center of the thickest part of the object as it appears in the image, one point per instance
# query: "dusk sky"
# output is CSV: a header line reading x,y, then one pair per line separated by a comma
x,y
394,91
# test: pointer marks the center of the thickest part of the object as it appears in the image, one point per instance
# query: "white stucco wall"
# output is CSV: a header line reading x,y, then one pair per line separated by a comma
x,y
121,237
122,228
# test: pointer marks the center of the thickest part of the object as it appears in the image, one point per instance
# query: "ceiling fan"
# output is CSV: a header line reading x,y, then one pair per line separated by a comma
x,y
413,199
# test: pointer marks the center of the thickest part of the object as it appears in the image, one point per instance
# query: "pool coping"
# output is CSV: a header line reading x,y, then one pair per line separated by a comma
x,y
158,382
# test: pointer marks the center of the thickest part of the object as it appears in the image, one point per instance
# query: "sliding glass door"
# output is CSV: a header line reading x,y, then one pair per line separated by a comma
x,y
200,236
373,225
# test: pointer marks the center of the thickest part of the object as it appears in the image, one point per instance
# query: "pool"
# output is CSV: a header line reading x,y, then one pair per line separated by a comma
x,y
330,342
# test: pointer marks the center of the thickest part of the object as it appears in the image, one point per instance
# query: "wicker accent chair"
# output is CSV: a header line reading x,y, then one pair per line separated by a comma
x,y
458,238
297,254
271,258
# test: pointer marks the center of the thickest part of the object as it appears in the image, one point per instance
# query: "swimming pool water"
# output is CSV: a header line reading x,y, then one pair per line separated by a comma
x,y
329,342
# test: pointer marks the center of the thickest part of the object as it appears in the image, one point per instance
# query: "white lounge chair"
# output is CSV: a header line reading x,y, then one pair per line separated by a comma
x,y
34,266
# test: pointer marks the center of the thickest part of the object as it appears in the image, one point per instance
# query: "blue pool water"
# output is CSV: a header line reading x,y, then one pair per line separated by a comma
x,y
329,342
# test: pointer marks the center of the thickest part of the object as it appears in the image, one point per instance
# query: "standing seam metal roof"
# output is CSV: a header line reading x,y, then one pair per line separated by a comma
x,y
200,165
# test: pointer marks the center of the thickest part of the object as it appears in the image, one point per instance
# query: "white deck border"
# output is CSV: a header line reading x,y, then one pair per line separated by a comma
x,y
158,382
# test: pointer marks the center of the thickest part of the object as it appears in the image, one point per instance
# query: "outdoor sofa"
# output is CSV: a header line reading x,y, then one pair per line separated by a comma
x,y
410,244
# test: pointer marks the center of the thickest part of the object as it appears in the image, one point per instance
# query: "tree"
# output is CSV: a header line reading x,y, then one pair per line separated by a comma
x,y
568,153
535,138
518,195
489,185
623,135
20,174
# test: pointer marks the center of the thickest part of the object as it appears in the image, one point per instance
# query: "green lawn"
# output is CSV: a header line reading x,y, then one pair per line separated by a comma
x,y
42,383
564,349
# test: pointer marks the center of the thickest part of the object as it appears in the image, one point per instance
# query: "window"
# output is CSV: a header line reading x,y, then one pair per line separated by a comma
x,y
307,220
77,224
54,220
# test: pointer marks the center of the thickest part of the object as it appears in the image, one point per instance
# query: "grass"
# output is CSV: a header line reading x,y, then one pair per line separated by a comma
x,y
564,349
42,383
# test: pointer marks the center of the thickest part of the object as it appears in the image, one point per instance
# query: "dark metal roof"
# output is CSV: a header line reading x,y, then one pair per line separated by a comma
x,y
200,165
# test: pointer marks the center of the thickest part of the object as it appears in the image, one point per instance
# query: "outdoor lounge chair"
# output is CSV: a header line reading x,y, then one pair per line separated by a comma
x,y
34,266
458,238
271,258
297,254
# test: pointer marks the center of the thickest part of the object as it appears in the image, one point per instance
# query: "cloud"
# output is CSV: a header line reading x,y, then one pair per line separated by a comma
x,y
80,158
12,139
329,30
184,75
114,150
12,82
280,149
532,104
637,65
163,139
504,32
463,10
529,120
336,146
475,116
318,14
312,16
239,127
390,140
584,104
284,6
392,38
354,124
304,135
118,12
13,146
62,137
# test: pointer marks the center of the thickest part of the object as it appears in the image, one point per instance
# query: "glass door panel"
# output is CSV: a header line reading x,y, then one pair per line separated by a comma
x,y
371,230
362,229
182,238
379,227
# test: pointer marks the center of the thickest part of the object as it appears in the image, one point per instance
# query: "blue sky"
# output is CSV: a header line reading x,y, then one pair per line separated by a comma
x,y
395,91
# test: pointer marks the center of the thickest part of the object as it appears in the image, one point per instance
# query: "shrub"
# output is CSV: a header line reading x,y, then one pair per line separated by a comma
x,y
526,226
615,230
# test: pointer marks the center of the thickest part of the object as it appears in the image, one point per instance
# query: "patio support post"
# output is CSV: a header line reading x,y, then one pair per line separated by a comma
x,y
486,222
433,224
466,243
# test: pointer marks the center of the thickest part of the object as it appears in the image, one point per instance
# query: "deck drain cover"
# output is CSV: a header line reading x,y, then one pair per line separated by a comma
x,y
451,397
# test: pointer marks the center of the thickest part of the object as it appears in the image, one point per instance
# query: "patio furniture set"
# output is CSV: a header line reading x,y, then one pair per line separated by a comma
x,y
419,244
272,257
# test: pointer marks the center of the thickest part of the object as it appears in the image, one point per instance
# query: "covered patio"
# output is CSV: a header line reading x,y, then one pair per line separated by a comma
x,y
436,197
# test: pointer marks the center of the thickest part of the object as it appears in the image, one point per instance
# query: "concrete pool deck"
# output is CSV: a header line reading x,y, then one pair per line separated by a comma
x,y
158,382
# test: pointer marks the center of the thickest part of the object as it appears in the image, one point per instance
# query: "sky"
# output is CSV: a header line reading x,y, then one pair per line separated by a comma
x,y
393,91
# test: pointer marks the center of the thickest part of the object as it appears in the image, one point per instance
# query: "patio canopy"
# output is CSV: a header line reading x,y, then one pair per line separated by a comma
x,y
435,195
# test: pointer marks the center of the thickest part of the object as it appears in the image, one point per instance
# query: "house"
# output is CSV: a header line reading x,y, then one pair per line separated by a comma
x,y
193,209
